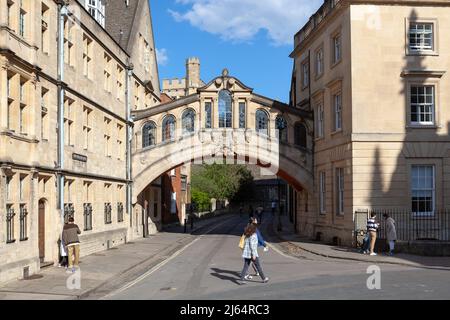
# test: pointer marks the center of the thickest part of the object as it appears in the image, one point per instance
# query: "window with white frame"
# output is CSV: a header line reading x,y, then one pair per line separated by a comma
x,y
305,74
340,191
22,16
422,189
320,121
97,10
422,104
337,48
337,104
322,191
421,36
319,62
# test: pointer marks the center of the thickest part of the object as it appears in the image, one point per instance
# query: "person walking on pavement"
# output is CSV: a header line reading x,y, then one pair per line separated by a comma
x,y
250,253
391,233
261,243
72,242
372,228
63,262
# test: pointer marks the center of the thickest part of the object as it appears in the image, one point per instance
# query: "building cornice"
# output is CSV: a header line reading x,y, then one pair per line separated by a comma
x,y
422,74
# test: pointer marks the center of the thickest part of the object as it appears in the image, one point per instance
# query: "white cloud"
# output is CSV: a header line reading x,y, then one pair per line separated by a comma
x,y
162,57
241,20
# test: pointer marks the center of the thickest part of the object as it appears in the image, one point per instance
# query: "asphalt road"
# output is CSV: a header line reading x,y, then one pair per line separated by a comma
x,y
209,269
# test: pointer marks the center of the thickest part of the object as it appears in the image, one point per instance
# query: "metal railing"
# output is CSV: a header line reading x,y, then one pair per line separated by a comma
x,y
108,211
10,224
87,216
119,212
69,212
413,226
23,223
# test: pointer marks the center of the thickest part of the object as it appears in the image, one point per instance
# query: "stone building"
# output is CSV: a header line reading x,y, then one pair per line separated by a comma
x,y
181,87
376,76
66,97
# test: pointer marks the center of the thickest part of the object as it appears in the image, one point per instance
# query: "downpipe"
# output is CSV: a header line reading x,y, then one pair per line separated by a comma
x,y
128,146
62,13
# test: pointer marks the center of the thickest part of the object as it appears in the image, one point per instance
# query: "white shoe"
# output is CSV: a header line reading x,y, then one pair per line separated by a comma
x,y
266,249
248,277
266,280
373,254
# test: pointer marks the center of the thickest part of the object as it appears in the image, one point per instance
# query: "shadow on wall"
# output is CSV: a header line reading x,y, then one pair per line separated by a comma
x,y
423,151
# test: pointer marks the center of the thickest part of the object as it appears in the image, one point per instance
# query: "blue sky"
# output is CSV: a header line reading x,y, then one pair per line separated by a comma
x,y
252,38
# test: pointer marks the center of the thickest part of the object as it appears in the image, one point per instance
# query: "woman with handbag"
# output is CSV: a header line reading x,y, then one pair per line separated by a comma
x,y
250,253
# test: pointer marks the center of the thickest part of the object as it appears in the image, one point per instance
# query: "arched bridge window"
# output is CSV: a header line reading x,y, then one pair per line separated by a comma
x,y
262,122
225,109
188,121
168,128
281,126
149,135
300,135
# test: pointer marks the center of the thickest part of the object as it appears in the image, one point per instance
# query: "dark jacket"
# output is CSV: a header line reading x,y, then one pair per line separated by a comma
x,y
70,234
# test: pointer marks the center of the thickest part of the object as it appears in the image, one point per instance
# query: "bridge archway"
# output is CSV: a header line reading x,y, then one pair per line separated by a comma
x,y
245,131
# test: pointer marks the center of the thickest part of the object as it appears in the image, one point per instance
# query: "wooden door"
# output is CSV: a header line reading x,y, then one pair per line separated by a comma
x,y
41,230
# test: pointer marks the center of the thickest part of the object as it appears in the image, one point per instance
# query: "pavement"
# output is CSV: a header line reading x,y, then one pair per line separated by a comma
x,y
103,271
288,235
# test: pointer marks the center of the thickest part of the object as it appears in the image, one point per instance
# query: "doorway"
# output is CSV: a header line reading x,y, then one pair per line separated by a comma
x,y
41,233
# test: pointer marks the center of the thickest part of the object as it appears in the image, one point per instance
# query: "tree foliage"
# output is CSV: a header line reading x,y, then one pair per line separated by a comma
x,y
220,181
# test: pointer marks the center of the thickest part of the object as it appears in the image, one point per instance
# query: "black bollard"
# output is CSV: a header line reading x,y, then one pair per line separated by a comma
x,y
185,225
192,222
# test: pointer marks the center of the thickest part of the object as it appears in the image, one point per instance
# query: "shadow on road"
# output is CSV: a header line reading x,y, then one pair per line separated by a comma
x,y
221,274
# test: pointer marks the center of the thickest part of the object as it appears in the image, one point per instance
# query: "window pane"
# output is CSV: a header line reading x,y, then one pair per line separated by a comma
x,y
225,109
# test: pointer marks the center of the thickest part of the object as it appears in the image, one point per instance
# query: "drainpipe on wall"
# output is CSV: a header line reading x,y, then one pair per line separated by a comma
x,y
129,138
313,128
62,12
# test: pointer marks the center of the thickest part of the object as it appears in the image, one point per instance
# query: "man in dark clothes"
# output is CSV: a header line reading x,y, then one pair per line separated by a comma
x,y
72,242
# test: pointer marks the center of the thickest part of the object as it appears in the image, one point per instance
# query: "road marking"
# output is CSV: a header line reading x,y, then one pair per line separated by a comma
x,y
159,265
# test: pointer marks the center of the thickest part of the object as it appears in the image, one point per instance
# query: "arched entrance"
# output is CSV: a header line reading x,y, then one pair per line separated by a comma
x,y
41,229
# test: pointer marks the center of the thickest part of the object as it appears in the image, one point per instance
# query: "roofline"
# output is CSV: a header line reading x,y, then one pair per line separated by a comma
x,y
203,88
141,114
344,3
103,28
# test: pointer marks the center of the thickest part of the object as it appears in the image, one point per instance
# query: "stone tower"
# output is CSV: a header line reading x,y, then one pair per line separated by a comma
x,y
192,75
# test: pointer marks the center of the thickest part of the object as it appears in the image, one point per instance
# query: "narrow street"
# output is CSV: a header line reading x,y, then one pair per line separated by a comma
x,y
208,268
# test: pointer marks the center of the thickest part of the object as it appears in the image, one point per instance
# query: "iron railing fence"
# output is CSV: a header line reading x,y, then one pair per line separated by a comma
x,y
410,226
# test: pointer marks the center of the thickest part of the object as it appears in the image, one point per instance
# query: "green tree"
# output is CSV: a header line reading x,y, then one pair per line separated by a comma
x,y
222,182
